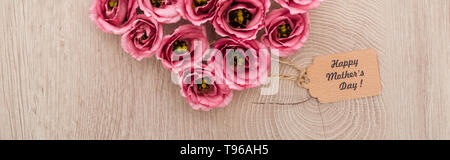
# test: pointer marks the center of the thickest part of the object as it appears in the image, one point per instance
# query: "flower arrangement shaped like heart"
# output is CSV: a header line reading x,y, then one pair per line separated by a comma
x,y
208,73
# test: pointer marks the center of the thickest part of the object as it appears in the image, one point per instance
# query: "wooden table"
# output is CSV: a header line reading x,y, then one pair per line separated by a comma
x,y
61,78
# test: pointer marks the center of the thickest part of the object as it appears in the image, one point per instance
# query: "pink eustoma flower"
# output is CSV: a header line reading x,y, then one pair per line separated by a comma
x,y
197,11
286,32
180,47
242,64
144,37
164,11
299,6
240,19
203,89
113,16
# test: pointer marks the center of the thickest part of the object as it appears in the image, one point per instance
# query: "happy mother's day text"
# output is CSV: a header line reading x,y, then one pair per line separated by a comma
x,y
350,73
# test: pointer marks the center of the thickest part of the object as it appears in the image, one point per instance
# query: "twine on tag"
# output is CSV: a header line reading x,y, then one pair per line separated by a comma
x,y
301,79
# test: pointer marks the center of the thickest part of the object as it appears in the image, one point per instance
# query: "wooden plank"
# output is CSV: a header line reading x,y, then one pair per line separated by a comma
x,y
61,78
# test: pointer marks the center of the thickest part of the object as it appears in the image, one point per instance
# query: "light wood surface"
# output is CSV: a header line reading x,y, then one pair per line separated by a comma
x,y
61,78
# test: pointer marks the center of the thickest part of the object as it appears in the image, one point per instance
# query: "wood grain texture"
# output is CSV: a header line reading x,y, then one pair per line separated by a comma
x,y
61,78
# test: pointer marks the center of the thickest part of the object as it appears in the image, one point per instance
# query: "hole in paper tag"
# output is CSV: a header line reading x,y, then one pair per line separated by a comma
x,y
344,76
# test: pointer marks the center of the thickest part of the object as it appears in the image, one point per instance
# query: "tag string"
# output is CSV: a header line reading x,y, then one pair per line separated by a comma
x,y
301,79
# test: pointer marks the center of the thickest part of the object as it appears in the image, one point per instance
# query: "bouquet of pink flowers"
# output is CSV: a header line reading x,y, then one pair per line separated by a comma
x,y
208,73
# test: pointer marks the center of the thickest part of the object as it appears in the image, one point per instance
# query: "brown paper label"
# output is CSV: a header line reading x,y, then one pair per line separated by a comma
x,y
344,76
